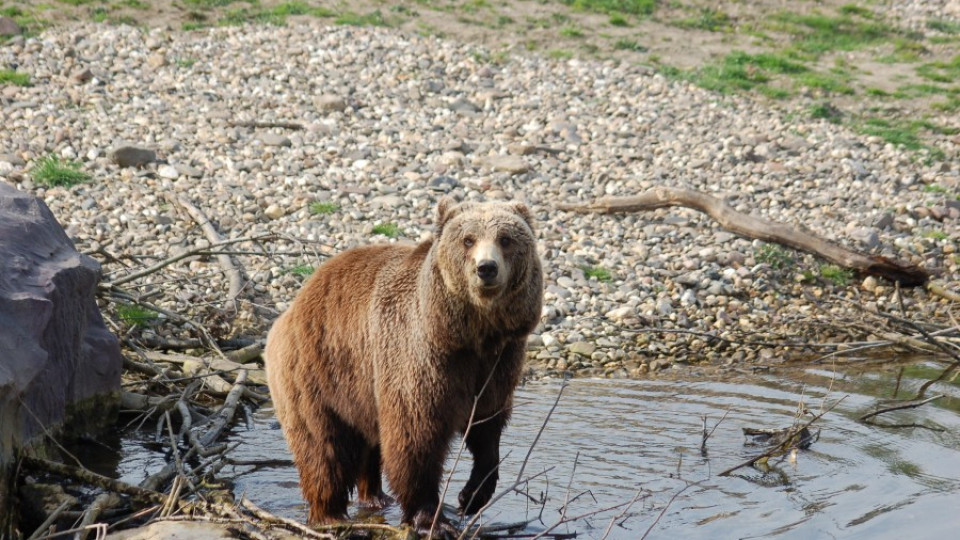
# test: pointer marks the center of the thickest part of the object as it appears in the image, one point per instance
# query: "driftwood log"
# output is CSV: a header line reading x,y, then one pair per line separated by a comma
x,y
757,228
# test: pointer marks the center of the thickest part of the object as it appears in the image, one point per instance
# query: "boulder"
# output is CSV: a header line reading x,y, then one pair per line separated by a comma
x,y
59,365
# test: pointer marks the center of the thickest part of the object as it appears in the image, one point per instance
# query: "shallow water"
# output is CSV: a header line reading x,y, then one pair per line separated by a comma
x,y
610,440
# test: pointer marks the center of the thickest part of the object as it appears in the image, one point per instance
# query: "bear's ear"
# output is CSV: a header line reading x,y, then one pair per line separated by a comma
x,y
447,208
523,211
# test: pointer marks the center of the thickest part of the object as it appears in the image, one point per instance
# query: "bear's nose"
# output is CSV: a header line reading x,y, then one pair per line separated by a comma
x,y
487,270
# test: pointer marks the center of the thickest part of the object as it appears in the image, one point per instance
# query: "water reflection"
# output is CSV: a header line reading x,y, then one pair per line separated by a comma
x,y
609,441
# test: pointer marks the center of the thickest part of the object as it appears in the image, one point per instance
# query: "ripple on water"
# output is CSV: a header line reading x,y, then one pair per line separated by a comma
x,y
612,439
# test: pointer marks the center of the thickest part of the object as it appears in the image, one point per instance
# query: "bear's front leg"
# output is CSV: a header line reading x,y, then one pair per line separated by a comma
x,y
414,446
483,441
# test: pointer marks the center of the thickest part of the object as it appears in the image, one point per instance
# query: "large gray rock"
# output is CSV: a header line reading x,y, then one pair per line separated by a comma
x,y
58,362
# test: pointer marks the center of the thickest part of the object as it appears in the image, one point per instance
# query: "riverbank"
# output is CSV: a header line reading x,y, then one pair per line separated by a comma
x,y
310,139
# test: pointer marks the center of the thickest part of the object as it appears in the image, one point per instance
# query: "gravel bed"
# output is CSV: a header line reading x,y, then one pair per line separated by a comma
x,y
392,122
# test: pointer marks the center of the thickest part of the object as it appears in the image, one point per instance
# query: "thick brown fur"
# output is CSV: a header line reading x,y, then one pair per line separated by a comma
x,y
380,358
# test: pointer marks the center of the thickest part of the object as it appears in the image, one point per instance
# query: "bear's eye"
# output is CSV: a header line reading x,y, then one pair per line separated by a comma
x,y
468,242
504,241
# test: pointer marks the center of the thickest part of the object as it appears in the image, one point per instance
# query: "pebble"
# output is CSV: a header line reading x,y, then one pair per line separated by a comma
x,y
509,164
583,348
168,171
273,139
132,156
330,103
274,212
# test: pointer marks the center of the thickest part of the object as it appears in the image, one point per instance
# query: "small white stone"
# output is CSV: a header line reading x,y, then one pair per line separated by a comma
x,y
168,171
273,212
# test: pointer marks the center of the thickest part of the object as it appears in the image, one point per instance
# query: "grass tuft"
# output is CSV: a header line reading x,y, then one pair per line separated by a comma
x,y
598,272
301,270
389,230
709,19
773,254
16,78
133,314
323,208
629,45
51,171
618,19
350,18
643,8
826,111
836,275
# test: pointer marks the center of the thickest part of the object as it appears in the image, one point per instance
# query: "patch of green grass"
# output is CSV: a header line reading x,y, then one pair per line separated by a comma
x,y
917,90
99,14
75,2
623,44
350,18
404,10
208,4
951,104
944,72
618,19
826,111
944,26
816,34
301,270
836,275
854,9
739,71
709,19
559,54
643,8
571,32
323,208
773,254
936,235
135,4
503,21
28,21
934,188
16,78
904,51
389,230
186,62
903,132
598,272
276,15
827,82
133,314
51,171
195,25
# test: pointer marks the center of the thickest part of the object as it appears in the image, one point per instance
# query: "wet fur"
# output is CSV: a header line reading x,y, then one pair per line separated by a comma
x,y
381,355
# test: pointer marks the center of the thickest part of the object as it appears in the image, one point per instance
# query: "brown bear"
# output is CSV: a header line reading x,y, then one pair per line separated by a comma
x,y
385,350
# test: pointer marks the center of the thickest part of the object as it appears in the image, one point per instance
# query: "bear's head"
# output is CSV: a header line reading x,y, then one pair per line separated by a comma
x,y
486,251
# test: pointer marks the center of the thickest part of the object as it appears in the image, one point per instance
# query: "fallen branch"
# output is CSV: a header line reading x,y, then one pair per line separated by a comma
x,y
91,477
223,417
179,257
905,405
942,292
263,515
45,526
90,515
758,228
231,271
